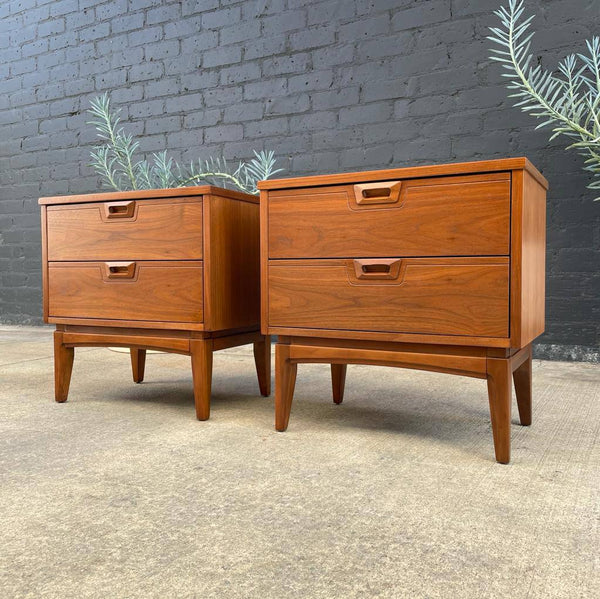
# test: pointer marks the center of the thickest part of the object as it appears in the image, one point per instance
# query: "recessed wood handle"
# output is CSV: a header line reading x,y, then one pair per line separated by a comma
x,y
368,194
118,210
386,269
119,270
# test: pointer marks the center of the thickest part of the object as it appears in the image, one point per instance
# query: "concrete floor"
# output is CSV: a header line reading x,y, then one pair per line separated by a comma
x,y
122,493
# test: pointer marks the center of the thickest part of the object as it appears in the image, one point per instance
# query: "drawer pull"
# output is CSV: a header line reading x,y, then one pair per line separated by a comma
x,y
119,271
118,210
376,270
367,194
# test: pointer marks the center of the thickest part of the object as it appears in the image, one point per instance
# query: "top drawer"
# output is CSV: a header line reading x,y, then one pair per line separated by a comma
x,y
167,229
439,216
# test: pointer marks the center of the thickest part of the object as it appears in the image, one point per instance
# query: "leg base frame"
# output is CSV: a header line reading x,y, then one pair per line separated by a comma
x,y
496,366
199,346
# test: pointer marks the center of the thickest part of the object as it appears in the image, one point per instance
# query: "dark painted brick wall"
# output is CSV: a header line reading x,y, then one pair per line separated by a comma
x,y
330,85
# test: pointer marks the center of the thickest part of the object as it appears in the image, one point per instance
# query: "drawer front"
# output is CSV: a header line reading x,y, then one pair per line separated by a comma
x,y
168,229
443,216
156,291
443,296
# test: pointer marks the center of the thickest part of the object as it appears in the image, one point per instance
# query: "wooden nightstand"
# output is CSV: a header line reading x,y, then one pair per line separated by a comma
x,y
438,268
170,269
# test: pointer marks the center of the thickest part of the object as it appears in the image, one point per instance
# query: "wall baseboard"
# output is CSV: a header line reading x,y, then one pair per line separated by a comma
x,y
566,353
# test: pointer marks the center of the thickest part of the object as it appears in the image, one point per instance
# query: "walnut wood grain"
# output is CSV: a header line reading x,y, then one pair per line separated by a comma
x,y
350,275
63,367
285,381
202,360
437,170
499,395
138,364
528,257
232,263
102,289
142,194
44,239
522,377
169,229
450,363
448,216
338,382
262,361
436,296
160,291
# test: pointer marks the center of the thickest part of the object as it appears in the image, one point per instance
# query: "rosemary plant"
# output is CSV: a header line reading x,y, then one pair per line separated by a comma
x,y
115,161
569,101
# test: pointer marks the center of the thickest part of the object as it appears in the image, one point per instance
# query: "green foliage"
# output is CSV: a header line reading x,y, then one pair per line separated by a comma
x,y
115,161
568,101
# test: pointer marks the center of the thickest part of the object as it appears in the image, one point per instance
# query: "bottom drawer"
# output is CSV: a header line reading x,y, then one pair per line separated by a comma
x,y
442,296
158,291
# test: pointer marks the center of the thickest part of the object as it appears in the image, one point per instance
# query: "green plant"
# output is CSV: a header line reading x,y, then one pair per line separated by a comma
x,y
115,161
569,101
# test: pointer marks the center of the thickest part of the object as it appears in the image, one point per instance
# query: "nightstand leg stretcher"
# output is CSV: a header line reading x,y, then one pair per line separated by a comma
x,y
200,347
496,368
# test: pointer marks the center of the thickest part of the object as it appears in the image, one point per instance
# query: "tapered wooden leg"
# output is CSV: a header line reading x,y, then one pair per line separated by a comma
x,y
522,378
63,367
262,360
202,358
499,391
285,381
338,381
138,363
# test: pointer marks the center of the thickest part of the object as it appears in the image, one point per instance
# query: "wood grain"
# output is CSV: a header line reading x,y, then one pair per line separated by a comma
x,y
359,353
338,382
522,376
264,262
44,222
436,268
161,291
138,364
499,395
232,263
202,360
262,361
285,381
437,170
436,296
63,367
168,229
448,216
142,194
528,292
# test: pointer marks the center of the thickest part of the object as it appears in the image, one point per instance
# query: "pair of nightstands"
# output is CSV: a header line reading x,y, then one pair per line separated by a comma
x,y
437,268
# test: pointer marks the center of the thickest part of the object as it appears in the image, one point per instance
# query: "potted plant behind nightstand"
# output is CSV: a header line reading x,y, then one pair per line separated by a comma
x,y
169,261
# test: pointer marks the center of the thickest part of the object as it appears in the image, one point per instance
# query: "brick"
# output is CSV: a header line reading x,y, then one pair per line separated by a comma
x,y
312,38
369,113
219,18
221,56
163,50
280,65
285,21
162,14
425,13
287,105
163,124
245,111
220,133
239,32
127,23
